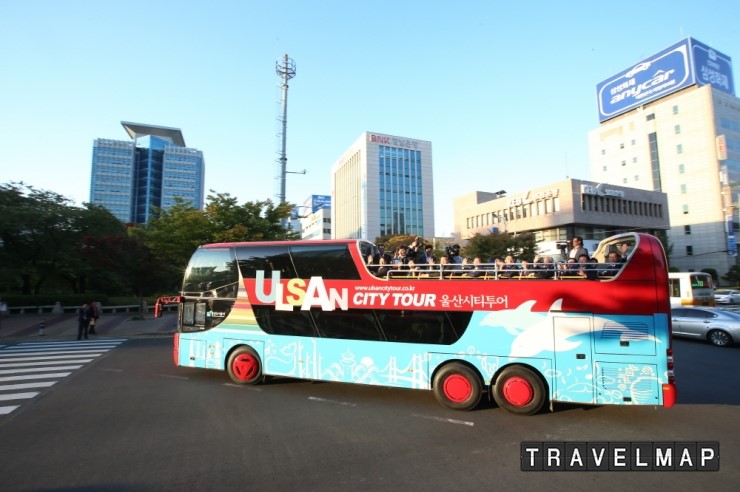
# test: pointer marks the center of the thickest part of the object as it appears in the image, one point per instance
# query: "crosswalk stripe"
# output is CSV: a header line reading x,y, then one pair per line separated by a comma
x,y
38,365
18,396
39,369
20,354
57,358
71,342
97,346
20,386
35,376
46,363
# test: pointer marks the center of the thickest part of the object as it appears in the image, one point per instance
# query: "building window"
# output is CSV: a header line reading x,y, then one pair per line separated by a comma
x,y
603,151
624,180
683,189
621,146
634,160
633,142
637,177
624,163
603,168
679,149
677,129
685,208
687,230
689,251
675,109
650,117
681,168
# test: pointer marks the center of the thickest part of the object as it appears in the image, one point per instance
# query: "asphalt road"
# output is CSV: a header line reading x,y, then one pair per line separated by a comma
x,y
129,420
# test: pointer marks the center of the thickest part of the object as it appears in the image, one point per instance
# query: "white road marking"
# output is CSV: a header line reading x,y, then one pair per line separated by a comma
x,y
322,400
445,420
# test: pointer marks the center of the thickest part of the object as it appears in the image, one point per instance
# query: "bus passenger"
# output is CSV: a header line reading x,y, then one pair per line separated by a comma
x,y
510,269
547,268
383,268
577,248
614,264
586,267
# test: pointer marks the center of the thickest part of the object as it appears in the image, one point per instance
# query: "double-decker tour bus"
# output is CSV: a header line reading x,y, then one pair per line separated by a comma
x,y
315,310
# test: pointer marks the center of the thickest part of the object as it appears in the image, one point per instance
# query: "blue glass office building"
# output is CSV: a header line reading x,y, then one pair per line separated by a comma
x,y
133,178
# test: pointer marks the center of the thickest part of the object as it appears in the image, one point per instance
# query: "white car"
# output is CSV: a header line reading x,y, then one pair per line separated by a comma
x,y
727,296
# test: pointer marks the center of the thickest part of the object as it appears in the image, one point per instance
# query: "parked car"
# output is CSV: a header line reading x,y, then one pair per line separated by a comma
x,y
718,326
727,296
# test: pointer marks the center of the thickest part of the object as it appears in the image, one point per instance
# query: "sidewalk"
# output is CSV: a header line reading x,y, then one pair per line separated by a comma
x,y
65,325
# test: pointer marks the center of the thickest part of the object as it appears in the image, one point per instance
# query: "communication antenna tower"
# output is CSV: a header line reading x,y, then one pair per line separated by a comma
x,y
285,69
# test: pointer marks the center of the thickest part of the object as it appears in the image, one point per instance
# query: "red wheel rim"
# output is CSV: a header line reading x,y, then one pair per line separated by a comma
x,y
457,388
518,391
245,367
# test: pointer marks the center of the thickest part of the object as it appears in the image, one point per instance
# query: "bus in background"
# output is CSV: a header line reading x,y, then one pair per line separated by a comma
x,y
314,310
691,289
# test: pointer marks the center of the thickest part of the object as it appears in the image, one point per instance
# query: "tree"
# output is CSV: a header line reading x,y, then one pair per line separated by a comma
x,y
733,275
176,233
487,246
128,261
41,233
252,221
393,241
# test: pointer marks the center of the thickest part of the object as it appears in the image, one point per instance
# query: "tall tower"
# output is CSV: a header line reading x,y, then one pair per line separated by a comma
x,y
285,69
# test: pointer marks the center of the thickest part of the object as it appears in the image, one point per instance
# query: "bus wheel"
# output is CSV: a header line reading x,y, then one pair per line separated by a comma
x,y
244,366
519,390
719,338
458,387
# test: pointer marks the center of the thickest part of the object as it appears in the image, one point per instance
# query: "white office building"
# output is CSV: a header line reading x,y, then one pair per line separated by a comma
x,y
671,123
383,185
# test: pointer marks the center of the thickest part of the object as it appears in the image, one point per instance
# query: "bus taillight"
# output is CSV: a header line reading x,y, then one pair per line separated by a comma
x,y
176,348
669,395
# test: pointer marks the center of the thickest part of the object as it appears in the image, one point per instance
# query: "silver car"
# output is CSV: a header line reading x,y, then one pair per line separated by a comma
x,y
726,296
718,326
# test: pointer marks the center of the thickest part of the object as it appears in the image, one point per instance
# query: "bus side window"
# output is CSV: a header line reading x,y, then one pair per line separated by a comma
x,y
674,286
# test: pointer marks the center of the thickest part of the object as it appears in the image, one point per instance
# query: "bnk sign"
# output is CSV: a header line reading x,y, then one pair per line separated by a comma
x,y
620,456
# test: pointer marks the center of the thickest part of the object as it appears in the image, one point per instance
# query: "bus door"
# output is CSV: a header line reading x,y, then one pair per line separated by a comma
x,y
192,350
573,379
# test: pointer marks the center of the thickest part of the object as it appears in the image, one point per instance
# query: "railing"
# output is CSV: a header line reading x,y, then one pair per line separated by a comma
x,y
527,270
59,309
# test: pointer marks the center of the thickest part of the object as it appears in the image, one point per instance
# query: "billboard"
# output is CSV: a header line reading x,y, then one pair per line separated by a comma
x,y
683,64
320,201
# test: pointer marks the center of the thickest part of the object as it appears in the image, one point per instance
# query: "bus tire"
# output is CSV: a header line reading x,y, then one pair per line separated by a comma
x,y
458,387
719,338
244,366
519,390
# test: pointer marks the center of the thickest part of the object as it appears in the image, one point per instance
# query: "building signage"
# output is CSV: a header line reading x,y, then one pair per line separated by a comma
x,y
320,201
599,190
393,141
540,195
683,64
721,143
731,244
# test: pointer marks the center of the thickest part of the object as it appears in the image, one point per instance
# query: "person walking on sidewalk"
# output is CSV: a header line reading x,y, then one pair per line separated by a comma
x,y
84,315
94,315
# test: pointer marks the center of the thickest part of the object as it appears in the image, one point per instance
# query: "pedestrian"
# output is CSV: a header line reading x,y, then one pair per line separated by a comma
x,y
94,317
83,319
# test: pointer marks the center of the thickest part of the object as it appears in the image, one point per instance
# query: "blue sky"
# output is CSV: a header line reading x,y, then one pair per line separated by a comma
x,y
506,92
